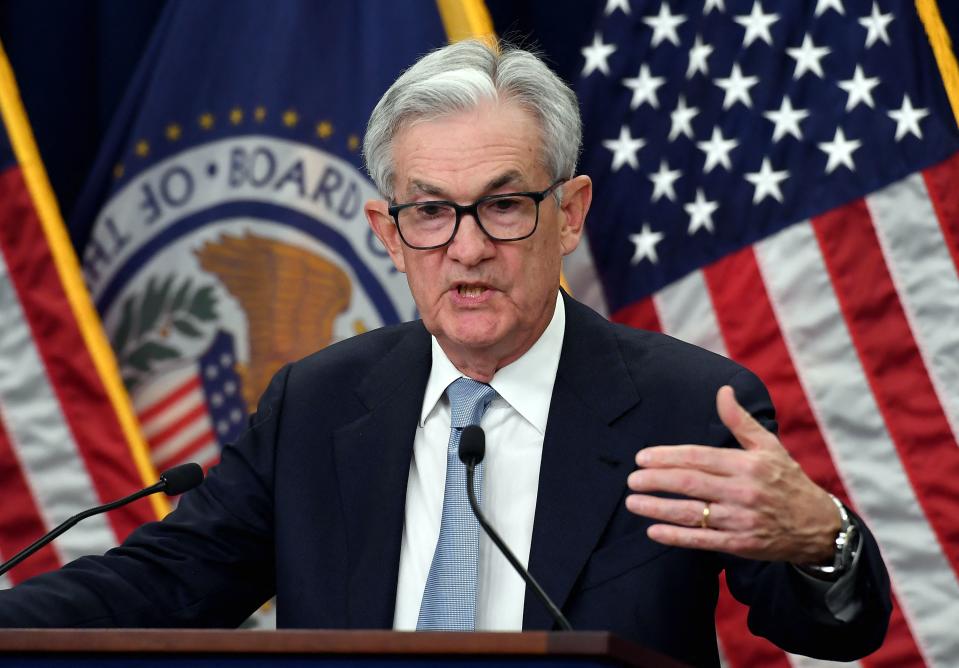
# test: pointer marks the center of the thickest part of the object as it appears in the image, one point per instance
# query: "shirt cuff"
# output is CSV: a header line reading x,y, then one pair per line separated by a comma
x,y
839,596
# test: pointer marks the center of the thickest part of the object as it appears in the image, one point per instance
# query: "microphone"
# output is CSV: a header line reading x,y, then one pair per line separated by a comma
x,y
175,481
471,452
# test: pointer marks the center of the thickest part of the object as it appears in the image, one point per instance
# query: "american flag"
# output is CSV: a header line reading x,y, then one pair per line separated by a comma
x,y
68,437
774,182
189,413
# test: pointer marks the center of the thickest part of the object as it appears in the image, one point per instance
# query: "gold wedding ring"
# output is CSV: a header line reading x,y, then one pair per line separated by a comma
x,y
704,523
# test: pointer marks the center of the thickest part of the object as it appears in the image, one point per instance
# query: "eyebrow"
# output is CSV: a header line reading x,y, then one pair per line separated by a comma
x,y
424,188
512,176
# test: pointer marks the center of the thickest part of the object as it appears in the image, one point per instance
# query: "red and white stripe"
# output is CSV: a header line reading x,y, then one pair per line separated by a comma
x,y
61,446
926,280
39,438
175,420
852,321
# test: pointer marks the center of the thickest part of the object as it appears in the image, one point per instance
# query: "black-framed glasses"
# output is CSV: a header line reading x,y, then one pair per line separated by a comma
x,y
505,217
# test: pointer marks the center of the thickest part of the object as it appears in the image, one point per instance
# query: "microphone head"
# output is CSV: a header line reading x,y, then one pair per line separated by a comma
x,y
472,445
181,478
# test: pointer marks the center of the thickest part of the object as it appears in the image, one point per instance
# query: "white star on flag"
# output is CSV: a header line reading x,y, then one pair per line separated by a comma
x,y
766,181
682,119
787,120
624,149
799,159
907,118
644,86
840,151
823,5
717,150
737,88
613,5
597,56
664,25
859,89
645,243
663,181
807,57
697,58
700,213
757,24
876,24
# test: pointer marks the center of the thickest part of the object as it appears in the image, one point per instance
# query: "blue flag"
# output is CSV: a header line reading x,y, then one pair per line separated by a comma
x,y
227,233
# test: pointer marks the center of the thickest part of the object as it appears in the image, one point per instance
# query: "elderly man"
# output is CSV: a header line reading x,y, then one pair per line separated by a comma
x,y
346,498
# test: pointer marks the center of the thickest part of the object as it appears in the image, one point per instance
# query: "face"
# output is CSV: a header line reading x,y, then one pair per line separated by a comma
x,y
480,297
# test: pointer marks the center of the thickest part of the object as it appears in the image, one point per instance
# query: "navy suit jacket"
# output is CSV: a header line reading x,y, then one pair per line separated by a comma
x,y
309,505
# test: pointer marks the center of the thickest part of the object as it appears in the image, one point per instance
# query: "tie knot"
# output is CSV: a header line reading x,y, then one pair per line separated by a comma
x,y
468,401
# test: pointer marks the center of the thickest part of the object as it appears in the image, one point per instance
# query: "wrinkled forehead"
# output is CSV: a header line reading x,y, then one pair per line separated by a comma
x,y
495,145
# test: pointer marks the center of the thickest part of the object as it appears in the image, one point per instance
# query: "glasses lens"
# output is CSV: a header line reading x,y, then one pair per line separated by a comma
x,y
508,217
427,224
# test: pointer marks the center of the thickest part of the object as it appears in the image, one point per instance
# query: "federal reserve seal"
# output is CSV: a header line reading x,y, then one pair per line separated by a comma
x,y
217,265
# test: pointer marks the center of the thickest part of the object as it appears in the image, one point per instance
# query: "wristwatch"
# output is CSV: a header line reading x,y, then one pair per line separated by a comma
x,y
847,545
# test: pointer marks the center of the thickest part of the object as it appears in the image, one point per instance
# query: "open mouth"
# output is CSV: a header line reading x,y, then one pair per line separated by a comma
x,y
470,291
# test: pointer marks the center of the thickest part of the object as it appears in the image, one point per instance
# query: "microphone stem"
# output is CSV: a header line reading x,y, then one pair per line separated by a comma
x,y
558,616
69,523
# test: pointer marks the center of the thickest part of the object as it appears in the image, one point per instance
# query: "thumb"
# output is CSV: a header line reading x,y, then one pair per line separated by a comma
x,y
744,427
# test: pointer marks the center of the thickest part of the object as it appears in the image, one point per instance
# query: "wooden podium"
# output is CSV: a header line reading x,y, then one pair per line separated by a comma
x,y
151,648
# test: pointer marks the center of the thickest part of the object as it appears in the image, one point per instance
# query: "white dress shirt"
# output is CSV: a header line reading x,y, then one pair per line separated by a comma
x,y
515,424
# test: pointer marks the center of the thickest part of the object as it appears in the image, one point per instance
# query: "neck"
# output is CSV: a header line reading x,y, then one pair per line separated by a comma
x,y
481,364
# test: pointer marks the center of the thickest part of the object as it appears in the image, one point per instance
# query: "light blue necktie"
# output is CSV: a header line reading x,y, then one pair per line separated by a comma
x,y
449,600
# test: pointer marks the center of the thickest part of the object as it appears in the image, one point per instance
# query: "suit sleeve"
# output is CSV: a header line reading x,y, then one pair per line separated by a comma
x,y
783,606
209,563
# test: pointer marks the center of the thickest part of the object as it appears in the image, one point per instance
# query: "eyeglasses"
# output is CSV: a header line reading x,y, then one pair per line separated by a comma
x,y
506,217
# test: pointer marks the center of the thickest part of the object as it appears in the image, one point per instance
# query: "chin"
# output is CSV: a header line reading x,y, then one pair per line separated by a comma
x,y
475,340
474,334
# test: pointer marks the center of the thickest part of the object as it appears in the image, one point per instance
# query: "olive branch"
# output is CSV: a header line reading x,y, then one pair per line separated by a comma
x,y
148,319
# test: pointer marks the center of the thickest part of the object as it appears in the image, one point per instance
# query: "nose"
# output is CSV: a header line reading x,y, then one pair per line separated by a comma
x,y
470,246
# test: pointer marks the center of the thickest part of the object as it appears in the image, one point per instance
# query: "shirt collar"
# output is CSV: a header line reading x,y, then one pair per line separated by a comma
x,y
526,384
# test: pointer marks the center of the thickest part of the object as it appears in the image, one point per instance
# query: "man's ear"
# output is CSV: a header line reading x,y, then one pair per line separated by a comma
x,y
382,225
577,195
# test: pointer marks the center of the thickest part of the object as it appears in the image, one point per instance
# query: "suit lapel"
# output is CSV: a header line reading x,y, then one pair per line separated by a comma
x,y
585,460
373,456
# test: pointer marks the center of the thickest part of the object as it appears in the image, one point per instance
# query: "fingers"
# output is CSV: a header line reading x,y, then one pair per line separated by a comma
x,y
761,504
718,461
704,539
744,427
685,512
689,483
689,513
724,531
721,461
755,495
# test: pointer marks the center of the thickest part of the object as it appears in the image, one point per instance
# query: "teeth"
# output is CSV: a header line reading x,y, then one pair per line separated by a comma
x,y
470,290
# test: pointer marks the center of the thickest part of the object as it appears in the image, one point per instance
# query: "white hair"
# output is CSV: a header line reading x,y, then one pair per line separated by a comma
x,y
460,77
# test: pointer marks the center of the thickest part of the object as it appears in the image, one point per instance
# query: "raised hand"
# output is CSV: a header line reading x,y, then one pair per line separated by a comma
x,y
755,502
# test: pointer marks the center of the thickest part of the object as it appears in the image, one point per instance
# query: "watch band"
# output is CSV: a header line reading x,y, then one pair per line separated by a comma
x,y
846,546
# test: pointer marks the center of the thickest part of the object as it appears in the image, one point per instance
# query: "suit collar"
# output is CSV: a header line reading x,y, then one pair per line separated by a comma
x,y
585,458
592,363
372,457
526,384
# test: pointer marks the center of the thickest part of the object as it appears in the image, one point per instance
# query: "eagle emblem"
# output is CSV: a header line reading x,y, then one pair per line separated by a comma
x,y
290,296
